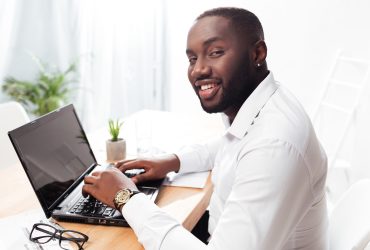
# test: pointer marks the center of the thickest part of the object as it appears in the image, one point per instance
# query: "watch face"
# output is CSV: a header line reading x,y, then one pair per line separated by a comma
x,y
122,197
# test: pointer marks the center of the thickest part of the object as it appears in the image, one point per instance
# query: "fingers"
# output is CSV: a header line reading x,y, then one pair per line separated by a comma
x,y
87,190
89,181
96,173
126,165
147,165
118,164
141,177
133,164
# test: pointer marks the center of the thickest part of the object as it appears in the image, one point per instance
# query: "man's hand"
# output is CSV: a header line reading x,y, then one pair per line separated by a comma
x,y
155,168
103,185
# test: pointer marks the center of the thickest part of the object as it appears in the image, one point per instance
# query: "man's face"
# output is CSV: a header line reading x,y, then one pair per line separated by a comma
x,y
220,66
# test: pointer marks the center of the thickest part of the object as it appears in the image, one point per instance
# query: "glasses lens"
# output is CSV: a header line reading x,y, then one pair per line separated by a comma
x,y
72,239
42,233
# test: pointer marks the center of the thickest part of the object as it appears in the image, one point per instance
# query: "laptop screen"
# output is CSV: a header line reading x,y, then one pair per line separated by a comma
x,y
54,151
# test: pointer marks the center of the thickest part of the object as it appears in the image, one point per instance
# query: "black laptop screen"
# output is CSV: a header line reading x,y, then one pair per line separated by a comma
x,y
54,152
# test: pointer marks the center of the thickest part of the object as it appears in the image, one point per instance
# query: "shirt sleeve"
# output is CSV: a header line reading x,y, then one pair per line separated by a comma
x,y
155,229
198,157
270,195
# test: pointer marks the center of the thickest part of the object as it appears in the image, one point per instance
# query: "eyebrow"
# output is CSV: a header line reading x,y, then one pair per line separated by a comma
x,y
211,40
206,43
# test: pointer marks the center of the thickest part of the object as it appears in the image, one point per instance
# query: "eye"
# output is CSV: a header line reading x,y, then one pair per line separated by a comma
x,y
216,53
192,60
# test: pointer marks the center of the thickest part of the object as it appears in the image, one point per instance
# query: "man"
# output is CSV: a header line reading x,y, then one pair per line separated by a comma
x,y
268,169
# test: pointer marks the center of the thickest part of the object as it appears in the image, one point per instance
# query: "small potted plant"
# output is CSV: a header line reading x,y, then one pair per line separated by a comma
x,y
116,147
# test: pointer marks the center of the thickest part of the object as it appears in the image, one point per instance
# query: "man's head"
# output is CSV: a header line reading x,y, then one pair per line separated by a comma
x,y
226,52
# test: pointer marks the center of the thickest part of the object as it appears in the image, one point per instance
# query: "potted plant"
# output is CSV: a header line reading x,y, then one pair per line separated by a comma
x,y
48,92
116,147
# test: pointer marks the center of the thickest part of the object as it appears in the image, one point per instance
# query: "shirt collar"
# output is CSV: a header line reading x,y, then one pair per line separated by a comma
x,y
251,107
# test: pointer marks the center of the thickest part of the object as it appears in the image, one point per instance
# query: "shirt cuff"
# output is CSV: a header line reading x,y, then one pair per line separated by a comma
x,y
186,157
150,223
134,213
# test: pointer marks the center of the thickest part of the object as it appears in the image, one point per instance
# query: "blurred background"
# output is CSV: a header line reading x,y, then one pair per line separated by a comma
x,y
119,57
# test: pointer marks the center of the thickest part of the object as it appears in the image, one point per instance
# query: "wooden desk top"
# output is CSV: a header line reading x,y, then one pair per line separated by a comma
x,y
185,204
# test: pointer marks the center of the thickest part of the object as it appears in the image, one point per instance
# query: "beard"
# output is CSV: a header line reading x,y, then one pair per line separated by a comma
x,y
235,93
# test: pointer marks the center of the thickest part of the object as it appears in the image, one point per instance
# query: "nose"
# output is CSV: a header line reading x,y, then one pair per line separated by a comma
x,y
200,69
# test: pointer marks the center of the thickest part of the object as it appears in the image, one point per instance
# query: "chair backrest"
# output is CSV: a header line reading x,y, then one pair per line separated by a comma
x,y
349,226
12,115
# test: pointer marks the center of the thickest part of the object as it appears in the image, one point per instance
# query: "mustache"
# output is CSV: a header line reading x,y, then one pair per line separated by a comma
x,y
206,80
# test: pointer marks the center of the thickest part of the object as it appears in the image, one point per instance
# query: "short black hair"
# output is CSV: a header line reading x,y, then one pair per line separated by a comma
x,y
242,20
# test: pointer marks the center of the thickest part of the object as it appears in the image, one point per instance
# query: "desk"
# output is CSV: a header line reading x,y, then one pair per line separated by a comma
x,y
185,204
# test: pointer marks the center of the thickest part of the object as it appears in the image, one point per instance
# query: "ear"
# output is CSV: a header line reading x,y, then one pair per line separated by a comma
x,y
259,53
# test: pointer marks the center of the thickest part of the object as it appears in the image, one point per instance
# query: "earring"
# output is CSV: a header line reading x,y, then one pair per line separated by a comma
x,y
258,64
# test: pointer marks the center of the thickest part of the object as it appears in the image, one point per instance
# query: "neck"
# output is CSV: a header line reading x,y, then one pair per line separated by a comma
x,y
231,112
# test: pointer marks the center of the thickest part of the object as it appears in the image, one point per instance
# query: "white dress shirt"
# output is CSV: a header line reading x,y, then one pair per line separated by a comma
x,y
268,172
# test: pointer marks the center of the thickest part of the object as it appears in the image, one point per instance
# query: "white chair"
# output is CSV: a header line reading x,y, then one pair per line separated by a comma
x,y
349,223
12,115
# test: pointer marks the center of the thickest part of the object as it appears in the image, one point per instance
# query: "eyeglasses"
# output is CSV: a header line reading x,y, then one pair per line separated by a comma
x,y
42,233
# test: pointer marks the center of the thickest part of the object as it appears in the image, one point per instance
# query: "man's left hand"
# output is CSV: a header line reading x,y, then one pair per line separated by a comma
x,y
103,185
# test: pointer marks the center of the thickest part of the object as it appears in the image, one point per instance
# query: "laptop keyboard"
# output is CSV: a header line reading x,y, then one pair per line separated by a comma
x,y
89,206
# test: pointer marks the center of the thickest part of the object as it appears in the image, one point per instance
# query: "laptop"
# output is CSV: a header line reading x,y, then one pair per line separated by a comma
x,y
56,156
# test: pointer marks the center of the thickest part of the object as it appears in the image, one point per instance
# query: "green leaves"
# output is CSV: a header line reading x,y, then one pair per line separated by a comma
x,y
114,128
49,91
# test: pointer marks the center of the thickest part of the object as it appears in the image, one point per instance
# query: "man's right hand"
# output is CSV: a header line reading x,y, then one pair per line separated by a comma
x,y
155,168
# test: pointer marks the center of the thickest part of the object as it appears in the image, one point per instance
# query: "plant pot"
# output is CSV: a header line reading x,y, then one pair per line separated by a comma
x,y
116,150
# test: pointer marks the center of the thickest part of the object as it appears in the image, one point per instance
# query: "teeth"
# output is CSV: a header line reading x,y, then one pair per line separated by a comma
x,y
207,86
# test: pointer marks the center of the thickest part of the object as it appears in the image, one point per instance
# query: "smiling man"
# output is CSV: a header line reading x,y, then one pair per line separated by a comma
x,y
223,57
268,169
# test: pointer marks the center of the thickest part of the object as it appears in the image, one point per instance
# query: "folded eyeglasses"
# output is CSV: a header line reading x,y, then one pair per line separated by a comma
x,y
43,233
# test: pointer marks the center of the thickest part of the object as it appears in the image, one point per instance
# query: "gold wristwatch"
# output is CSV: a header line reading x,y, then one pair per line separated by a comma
x,y
122,197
